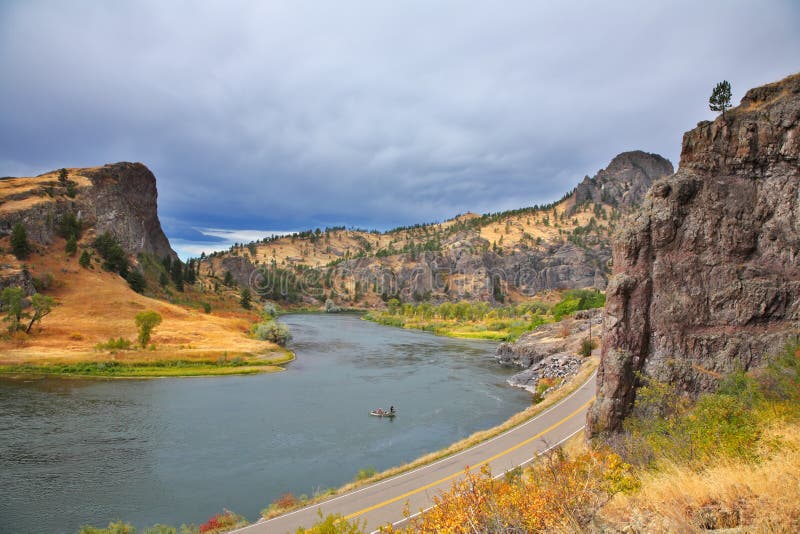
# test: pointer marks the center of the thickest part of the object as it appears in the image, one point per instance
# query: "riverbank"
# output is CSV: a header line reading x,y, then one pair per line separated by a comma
x,y
480,320
143,365
288,503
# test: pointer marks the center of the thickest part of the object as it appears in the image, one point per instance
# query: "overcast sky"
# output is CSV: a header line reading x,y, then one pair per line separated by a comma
x,y
286,115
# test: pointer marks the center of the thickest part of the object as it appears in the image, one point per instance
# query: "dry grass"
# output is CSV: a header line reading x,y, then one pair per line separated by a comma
x,y
94,305
761,497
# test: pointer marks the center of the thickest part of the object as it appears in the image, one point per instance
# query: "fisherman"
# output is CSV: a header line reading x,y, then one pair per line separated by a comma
x,y
391,409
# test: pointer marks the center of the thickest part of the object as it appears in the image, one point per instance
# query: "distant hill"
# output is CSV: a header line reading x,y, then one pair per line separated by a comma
x,y
497,257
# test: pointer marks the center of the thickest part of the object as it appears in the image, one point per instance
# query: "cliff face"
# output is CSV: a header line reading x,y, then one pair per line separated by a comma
x,y
515,254
625,181
120,198
706,276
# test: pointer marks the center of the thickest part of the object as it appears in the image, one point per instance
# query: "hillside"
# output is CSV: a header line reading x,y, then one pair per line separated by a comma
x,y
499,258
706,276
95,302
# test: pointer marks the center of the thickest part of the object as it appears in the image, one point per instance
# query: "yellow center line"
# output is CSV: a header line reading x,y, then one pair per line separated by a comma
x,y
484,462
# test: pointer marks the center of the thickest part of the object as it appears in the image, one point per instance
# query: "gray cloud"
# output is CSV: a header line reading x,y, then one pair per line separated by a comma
x,y
299,113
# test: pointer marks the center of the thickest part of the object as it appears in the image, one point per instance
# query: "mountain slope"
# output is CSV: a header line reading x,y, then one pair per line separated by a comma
x,y
494,257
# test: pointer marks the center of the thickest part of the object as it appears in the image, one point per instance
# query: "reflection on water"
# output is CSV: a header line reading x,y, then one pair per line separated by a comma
x,y
179,450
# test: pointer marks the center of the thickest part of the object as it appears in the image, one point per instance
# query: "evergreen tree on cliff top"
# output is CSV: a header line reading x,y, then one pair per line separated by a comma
x,y
720,99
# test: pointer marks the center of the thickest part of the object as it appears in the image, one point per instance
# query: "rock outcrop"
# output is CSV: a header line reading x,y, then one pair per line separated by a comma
x,y
706,276
120,198
550,351
625,181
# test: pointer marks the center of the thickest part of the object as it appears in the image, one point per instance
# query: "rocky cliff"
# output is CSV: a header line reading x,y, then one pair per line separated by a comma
x,y
120,198
706,276
492,257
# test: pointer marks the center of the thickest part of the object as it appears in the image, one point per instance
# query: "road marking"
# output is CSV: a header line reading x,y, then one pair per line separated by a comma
x,y
484,462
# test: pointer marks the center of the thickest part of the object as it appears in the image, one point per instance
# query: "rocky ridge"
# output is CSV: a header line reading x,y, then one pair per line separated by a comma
x,y
471,262
706,276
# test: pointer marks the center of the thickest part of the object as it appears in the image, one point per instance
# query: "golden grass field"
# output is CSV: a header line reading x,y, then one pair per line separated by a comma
x,y
94,305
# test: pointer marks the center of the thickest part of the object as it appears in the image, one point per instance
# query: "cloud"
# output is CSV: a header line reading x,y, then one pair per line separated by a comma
x,y
214,239
297,114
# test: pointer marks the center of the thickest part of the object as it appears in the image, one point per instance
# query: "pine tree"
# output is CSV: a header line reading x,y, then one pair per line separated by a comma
x,y
85,260
177,274
72,245
246,299
136,280
19,242
720,99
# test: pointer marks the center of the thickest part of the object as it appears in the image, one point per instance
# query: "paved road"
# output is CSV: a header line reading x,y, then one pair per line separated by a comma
x,y
383,502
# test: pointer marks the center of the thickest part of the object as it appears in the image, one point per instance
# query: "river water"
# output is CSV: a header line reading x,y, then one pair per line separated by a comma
x,y
174,451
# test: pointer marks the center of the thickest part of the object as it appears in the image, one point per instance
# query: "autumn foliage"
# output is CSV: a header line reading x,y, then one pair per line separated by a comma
x,y
556,493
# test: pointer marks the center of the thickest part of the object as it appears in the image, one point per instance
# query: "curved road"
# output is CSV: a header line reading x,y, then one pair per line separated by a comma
x,y
383,502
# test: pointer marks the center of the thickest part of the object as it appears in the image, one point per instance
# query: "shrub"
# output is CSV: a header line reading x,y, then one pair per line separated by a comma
x,y
71,247
364,474
207,307
146,321
587,346
19,242
113,528
136,281
246,299
111,251
85,260
222,522
269,309
272,331
114,344
331,307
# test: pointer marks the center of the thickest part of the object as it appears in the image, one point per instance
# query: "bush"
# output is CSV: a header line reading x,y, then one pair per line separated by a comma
x,y
85,260
272,331
222,522
19,242
587,346
146,321
207,307
269,309
331,307
364,474
136,281
114,344
111,251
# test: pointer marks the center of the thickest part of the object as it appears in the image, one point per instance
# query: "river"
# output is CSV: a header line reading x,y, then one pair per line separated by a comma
x,y
174,451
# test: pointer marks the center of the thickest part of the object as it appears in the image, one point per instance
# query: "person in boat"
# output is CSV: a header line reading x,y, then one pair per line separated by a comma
x,y
391,409
379,411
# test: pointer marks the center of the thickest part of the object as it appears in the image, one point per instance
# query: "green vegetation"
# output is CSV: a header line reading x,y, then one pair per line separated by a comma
x,y
219,523
242,364
114,345
271,331
12,300
667,426
720,99
42,306
479,320
245,299
146,321
85,259
366,473
19,242
114,257
12,303
136,280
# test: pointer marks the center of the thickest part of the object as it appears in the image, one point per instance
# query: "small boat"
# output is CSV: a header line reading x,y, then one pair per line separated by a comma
x,y
382,413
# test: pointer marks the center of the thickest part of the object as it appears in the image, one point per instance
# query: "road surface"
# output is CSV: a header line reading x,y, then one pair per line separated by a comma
x,y
383,502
